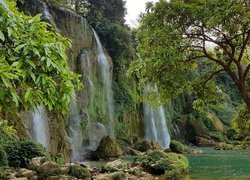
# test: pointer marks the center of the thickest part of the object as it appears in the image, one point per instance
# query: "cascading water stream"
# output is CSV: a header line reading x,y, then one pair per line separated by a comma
x,y
41,126
155,123
75,133
106,74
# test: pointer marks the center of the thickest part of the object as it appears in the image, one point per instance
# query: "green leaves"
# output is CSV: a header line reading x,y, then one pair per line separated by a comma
x,y
2,36
33,67
183,45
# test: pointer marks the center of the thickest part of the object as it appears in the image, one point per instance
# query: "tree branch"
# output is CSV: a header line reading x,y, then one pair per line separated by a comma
x,y
212,75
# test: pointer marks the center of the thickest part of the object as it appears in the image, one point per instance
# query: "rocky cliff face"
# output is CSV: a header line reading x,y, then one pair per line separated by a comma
x,y
83,58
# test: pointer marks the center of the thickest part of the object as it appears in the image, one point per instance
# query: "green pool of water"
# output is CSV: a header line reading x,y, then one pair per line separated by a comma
x,y
221,165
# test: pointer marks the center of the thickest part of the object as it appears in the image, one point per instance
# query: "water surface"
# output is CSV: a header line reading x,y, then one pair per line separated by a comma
x,y
221,165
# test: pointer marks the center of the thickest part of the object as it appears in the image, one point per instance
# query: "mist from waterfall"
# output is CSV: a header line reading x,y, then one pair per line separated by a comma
x,y
41,126
155,123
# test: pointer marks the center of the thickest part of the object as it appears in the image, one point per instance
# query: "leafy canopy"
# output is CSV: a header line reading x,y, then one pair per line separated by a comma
x,y
33,67
185,44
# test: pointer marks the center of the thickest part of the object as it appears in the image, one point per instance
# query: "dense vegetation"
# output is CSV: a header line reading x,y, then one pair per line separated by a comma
x,y
33,67
187,46
179,37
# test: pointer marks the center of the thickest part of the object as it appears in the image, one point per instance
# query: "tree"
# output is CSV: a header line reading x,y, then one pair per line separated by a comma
x,y
113,10
33,67
210,36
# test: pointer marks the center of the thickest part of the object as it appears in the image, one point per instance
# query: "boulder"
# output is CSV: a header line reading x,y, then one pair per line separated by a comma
x,y
25,173
79,172
146,145
108,148
117,165
36,162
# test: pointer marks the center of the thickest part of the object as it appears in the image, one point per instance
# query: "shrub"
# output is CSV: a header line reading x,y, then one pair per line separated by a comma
x,y
21,152
3,157
178,147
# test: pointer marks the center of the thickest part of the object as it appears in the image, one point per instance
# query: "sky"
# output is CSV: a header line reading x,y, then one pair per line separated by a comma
x,y
134,8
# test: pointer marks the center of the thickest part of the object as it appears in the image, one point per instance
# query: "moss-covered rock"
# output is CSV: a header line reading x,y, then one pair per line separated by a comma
x,y
108,148
146,145
117,165
135,171
79,172
178,147
158,162
120,175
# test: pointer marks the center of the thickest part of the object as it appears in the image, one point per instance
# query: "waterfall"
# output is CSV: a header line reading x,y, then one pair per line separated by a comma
x,y
155,123
41,126
106,73
75,132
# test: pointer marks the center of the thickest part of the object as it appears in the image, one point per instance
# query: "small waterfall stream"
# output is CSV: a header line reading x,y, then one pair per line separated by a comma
x,y
155,123
41,126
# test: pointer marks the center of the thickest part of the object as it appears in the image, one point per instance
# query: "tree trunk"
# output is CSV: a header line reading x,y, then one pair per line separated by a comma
x,y
244,94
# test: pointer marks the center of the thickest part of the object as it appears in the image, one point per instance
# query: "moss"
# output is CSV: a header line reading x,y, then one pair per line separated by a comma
x,y
178,147
79,172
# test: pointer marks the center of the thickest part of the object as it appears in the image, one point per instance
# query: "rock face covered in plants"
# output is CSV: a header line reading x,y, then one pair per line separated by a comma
x,y
82,58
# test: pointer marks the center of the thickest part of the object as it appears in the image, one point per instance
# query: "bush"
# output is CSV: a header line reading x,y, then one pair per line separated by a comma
x,y
21,152
178,147
242,122
3,157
